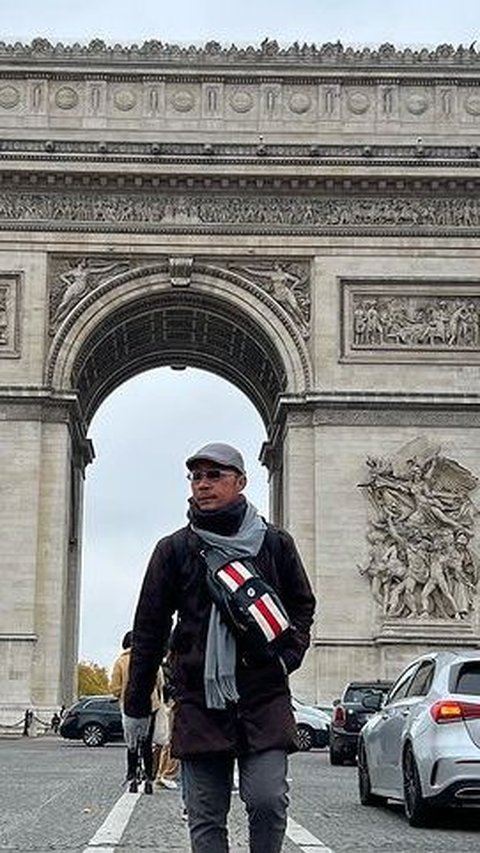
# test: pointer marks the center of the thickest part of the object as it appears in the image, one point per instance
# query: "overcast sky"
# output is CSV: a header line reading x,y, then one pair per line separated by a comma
x,y
351,21
136,488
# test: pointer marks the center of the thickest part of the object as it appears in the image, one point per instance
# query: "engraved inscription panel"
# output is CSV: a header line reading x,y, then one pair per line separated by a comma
x,y
412,321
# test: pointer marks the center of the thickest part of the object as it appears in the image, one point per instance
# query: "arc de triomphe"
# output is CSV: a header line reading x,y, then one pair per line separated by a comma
x,y
304,222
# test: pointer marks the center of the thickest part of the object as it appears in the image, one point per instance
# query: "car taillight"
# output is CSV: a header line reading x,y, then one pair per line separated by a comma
x,y
451,711
339,716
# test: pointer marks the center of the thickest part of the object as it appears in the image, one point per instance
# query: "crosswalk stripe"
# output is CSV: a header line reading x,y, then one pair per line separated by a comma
x,y
304,839
114,825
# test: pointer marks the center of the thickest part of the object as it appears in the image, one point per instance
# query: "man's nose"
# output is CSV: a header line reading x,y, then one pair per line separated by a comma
x,y
204,483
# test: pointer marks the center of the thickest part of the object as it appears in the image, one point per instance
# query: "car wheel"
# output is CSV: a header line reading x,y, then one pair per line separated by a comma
x,y
93,734
364,784
417,810
305,738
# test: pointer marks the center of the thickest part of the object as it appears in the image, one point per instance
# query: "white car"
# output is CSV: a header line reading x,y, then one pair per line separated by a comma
x,y
313,725
423,744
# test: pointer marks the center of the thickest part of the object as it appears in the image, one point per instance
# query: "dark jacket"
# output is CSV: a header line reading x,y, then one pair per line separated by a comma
x,y
176,581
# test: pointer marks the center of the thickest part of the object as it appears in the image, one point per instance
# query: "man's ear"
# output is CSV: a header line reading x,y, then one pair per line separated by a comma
x,y
243,482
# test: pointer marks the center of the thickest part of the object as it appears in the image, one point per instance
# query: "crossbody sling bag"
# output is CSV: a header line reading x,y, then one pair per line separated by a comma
x,y
251,608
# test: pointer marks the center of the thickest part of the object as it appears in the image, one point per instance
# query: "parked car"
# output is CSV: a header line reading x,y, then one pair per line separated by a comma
x,y
93,719
349,715
327,709
98,719
423,746
312,725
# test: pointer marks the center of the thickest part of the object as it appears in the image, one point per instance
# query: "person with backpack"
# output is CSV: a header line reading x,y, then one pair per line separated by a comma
x,y
244,607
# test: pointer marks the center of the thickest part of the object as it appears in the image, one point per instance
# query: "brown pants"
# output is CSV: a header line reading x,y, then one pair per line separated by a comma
x,y
168,767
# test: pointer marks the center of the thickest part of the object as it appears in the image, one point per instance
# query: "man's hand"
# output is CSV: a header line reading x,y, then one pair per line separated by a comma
x,y
135,729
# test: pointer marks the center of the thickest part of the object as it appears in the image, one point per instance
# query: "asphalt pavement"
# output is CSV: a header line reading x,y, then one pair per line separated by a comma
x,y
59,795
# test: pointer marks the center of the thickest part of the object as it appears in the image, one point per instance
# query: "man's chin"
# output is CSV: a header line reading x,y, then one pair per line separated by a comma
x,y
207,504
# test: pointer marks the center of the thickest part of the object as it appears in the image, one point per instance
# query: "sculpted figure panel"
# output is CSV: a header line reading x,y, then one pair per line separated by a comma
x,y
421,561
289,285
3,316
75,280
9,314
410,322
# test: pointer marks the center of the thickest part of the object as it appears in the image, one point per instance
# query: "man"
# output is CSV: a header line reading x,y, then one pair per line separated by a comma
x,y
229,705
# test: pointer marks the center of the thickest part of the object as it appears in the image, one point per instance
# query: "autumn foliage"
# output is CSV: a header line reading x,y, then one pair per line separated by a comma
x,y
92,679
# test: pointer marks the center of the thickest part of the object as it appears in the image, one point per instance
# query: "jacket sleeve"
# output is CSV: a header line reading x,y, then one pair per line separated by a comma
x,y
297,597
151,628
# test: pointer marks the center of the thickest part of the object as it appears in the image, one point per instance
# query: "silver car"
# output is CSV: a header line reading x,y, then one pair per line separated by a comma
x,y
423,744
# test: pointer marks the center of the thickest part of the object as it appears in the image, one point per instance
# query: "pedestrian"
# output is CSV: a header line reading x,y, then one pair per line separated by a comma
x,y
27,722
143,749
55,722
232,700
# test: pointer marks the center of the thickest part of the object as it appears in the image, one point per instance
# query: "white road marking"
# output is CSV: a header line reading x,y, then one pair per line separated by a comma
x,y
101,849
114,825
304,839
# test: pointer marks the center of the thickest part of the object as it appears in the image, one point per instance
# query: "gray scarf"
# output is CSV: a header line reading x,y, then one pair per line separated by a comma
x,y
220,654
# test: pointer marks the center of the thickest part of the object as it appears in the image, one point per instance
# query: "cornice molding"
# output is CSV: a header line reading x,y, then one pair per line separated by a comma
x,y
268,156
268,54
343,408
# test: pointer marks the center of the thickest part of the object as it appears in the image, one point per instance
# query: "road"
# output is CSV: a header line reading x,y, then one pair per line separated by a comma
x,y
58,795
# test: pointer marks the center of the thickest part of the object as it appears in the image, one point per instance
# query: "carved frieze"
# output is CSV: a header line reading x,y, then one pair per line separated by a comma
x,y
298,101
421,563
411,320
9,314
156,212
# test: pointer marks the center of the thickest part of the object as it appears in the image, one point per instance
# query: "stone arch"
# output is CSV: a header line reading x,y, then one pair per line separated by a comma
x,y
221,322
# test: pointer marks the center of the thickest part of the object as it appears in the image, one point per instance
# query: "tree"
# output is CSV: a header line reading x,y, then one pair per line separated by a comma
x,y
92,679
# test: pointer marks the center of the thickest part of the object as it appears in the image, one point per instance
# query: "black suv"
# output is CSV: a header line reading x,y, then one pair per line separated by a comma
x,y
349,715
93,719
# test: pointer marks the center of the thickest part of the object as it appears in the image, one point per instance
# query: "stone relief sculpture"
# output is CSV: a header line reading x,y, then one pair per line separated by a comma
x,y
82,275
313,213
10,285
4,321
289,285
415,322
421,561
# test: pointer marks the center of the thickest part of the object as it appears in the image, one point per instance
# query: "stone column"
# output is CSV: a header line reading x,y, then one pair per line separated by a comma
x,y
40,464
298,503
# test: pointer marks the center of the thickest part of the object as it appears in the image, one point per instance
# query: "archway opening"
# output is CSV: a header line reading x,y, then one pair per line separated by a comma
x,y
136,489
179,329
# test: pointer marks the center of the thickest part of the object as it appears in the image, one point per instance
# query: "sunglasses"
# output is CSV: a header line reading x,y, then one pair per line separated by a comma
x,y
209,474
